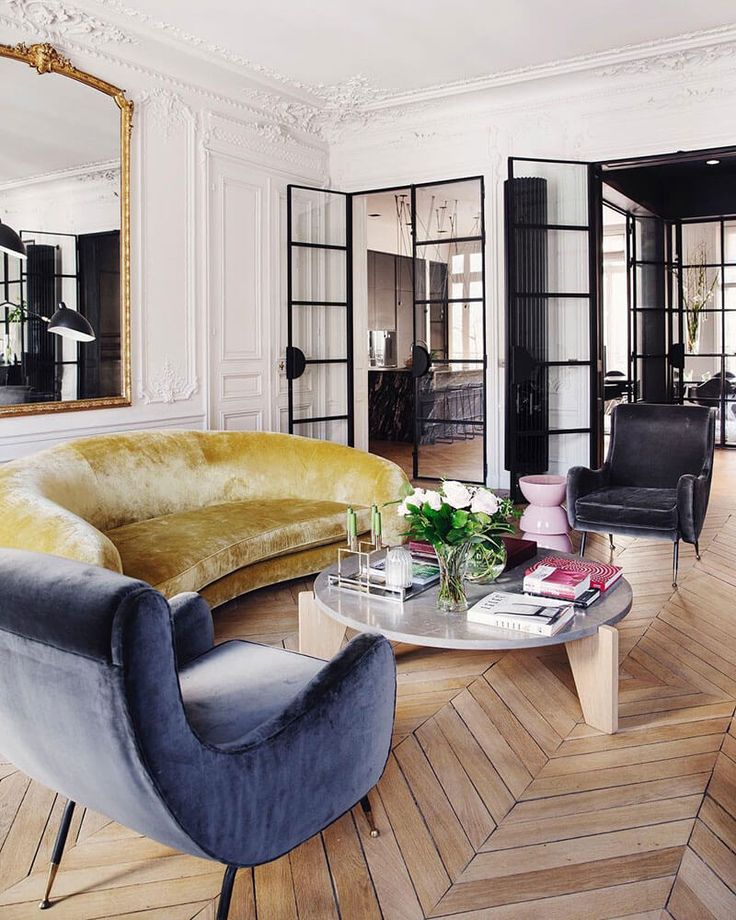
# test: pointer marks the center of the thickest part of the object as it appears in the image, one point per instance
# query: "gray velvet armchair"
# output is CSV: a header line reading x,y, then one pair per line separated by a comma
x,y
655,481
119,700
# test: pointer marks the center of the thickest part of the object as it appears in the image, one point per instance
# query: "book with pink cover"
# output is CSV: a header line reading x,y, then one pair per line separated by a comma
x,y
602,575
552,581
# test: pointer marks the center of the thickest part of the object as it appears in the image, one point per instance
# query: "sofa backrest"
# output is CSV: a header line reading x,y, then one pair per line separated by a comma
x,y
112,480
653,445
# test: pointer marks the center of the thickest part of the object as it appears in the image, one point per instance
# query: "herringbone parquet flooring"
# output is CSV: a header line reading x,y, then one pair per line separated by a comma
x,y
498,802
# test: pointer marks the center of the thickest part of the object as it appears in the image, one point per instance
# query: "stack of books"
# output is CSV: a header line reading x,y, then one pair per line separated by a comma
x,y
573,573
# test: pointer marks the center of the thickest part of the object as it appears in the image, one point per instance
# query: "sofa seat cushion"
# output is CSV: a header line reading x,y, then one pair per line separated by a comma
x,y
187,550
629,506
237,686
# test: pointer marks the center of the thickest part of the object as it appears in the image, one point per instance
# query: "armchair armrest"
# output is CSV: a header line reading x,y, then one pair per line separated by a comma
x,y
334,736
193,628
692,503
582,481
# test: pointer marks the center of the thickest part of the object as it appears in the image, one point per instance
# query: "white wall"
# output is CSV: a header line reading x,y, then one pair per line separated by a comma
x,y
209,175
213,150
657,105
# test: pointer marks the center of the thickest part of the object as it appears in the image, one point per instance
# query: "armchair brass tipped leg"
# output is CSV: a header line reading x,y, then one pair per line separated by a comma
x,y
365,804
697,550
610,540
45,903
583,541
58,851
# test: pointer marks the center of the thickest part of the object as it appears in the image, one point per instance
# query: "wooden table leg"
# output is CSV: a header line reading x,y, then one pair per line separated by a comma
x,y
319,635
594,663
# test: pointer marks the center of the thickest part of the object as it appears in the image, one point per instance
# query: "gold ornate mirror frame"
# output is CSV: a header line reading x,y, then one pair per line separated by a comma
x,y
45,59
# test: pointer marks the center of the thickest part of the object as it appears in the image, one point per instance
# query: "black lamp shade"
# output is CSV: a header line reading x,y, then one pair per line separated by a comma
x,y
71,325
11,243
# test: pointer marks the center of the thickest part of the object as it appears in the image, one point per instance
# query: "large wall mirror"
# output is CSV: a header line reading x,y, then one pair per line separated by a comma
x,y
64,236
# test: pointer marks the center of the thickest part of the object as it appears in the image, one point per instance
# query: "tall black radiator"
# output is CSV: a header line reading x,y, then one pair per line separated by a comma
x,y
527,392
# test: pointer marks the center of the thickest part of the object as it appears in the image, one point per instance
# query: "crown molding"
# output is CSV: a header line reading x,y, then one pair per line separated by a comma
x,y
105,171
327,112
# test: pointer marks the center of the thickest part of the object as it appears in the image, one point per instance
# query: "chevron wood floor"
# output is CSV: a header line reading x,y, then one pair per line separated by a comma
x,y
498,802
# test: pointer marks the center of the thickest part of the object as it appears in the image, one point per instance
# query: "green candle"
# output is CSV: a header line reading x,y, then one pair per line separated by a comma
x,y
352,523
377,523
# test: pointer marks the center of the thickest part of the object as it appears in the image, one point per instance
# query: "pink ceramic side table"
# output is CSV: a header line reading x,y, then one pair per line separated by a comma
x,y
545,520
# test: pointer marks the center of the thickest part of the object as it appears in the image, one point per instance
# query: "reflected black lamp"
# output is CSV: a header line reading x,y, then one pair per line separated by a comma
x,y
65,322
11,243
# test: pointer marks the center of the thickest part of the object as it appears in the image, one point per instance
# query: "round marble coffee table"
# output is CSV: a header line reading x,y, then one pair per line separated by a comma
x,y
590,639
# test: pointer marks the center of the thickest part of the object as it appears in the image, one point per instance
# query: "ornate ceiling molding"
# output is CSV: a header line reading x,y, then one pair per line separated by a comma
x,y
286,106
52,19
677,61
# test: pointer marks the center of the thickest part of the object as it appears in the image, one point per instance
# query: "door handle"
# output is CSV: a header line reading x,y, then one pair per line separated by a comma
x,y
421,361
295,362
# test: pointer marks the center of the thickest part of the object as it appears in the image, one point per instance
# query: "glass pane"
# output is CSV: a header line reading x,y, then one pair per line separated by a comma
x,y
569,397
323,431
566,450
449,270
318,274
450,421
550,261
701,243
465,331
321,390
702,380
450,454
449,210
318,217
320,332
568,329
729,406
566,190
729,234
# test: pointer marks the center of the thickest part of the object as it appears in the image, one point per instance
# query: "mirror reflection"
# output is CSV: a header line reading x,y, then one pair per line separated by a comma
x,y
61,317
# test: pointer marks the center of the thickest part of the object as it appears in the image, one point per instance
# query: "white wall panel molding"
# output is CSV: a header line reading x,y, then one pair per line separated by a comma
x,y
167,288
19,445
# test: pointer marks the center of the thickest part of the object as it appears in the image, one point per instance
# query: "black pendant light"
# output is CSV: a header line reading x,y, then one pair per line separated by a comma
x,y
71,325
11,243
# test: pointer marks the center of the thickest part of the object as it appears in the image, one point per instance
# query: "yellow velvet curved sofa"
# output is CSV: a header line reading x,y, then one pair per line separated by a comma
x,y
217,512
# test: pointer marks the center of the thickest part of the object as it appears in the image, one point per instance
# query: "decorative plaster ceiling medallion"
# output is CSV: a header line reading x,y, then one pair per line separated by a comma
x,y
52,19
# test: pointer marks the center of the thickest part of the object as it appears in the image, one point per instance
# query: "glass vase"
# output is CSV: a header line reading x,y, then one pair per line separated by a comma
x,y
486,562
452,560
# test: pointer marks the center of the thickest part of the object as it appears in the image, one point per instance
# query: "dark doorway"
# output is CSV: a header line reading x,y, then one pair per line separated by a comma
x,y
99,300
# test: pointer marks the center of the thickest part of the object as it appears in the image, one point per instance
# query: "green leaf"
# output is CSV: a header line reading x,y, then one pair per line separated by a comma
x,y
460,518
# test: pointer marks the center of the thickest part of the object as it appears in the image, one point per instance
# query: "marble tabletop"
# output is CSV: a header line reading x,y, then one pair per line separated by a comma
x,y
419,622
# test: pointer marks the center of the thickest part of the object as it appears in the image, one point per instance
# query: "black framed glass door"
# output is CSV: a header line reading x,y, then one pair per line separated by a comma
x,y
553,369
319,354
704,318
449,354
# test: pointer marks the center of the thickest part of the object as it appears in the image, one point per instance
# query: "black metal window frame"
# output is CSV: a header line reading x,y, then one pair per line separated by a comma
x,y
481,362
593,229
29,237
348,360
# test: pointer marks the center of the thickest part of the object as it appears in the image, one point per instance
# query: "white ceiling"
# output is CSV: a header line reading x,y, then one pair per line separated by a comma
x,y
407,46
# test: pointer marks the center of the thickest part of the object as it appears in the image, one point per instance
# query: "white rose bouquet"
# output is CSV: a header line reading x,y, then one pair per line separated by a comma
x,y
456,519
